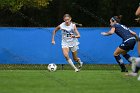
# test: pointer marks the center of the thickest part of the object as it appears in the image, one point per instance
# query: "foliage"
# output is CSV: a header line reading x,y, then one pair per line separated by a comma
x,y
16,5
51,15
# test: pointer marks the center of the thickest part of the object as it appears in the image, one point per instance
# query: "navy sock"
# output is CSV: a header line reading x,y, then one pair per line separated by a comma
x,y
118,59
121,64
127,56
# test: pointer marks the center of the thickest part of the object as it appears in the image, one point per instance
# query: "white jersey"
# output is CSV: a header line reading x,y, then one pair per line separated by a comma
x,y
67,31
139,34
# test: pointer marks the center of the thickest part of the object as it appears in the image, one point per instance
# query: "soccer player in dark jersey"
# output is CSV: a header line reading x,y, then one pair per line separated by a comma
x,y
129,40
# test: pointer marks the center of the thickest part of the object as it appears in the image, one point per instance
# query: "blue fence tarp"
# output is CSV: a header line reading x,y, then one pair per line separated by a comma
x,y
33,46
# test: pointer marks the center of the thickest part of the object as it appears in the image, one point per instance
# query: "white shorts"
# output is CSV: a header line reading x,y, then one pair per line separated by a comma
x,y
73,49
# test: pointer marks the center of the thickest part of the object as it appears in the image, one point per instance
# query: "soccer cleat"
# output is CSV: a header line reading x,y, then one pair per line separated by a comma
x,y
76,70
132,74
125,70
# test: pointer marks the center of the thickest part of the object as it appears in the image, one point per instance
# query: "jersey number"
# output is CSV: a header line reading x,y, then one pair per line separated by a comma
x,y
68,35
125,27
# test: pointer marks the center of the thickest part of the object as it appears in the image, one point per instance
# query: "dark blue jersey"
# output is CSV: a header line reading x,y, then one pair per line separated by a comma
x,y
122,31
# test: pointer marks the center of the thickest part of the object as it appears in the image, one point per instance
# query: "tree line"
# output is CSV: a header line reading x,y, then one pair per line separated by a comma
x,y
49,13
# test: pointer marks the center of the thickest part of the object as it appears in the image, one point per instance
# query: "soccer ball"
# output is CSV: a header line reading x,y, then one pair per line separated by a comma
x,y
52,67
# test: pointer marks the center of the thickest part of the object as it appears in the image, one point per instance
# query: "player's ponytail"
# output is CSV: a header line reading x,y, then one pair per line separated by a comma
x,y
117,18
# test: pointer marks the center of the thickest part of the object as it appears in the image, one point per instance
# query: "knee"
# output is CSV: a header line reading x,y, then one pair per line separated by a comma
x,y
66,56
115,54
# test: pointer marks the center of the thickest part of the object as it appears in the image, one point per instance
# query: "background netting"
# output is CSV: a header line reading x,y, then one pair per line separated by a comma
x,y
31,48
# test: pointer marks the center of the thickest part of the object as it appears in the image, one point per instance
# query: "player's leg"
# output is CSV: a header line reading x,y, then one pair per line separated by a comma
x,y
139,44
117,53
66,55
139,78
129,45
137,63
139,47
76,59
135,66
127,56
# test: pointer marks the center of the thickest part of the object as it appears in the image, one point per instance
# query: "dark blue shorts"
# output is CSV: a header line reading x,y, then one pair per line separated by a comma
x,y
129,45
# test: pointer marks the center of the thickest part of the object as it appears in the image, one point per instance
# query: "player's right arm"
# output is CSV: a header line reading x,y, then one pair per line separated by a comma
x,y
133,33
112,31
53,34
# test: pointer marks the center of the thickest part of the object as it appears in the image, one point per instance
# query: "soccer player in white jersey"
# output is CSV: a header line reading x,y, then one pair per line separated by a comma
x,y
136,60
135,67
138,20
69,40
139,45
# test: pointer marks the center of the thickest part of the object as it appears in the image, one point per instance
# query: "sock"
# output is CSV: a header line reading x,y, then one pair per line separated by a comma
x,y
79,60
118,59
71,63
127,57
120,62
80,63
133,67
139,77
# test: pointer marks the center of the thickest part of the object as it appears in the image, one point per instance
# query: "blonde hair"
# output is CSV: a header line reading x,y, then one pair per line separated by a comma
x,y
67,15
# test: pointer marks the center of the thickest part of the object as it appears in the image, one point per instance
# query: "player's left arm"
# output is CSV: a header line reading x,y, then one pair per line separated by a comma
x,y
112,31
77,33
138,11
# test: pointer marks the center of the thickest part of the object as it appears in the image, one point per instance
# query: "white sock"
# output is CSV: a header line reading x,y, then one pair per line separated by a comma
x,y
79,60
121,61
71,63
133,66
133,61
139,78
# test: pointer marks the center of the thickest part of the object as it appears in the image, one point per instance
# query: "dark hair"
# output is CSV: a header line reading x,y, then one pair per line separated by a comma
x,y
117,18
67,15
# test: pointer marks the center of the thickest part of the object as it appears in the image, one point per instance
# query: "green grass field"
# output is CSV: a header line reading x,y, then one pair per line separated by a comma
x,y
67,81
